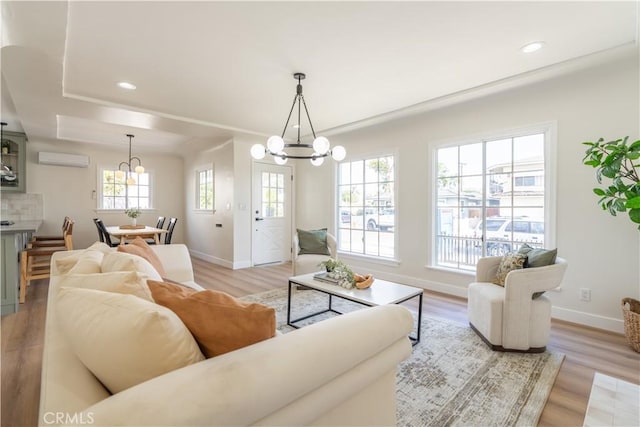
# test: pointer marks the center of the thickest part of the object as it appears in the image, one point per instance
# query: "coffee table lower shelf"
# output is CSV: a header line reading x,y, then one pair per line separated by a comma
x,y
338,292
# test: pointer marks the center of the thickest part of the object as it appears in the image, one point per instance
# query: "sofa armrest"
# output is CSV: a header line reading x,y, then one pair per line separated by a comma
x,y
176,261
294,378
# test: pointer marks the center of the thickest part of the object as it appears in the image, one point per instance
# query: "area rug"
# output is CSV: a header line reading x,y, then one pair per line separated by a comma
x,y
451,378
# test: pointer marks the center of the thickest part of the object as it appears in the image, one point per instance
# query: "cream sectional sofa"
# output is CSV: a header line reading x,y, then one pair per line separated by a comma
x,y
336,372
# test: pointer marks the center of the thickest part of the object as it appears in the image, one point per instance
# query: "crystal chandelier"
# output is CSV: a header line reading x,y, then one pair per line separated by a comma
x,y
315,152
127,167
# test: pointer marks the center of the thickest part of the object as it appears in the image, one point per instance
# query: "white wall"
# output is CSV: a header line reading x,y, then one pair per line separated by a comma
x,y
69,190
204,239
603,252
229,245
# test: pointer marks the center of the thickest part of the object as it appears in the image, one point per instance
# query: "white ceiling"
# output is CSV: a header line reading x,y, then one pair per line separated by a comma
x,y
206,71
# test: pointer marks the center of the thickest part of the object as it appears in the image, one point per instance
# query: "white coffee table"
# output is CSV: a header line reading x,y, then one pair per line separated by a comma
x,y
381,292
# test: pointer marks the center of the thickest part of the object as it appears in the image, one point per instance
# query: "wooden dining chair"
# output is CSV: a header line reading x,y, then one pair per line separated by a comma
x,y
104,234
35,261
159,224
51,240
100,235
170,227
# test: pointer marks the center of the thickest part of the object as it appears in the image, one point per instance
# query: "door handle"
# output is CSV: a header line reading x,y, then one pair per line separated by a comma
x,y
259,219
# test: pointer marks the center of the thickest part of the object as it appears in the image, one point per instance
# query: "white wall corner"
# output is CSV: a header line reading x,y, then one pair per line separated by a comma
x,y
241,264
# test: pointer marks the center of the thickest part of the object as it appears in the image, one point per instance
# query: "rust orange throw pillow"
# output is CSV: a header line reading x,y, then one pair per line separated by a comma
x,y
142,249
219,322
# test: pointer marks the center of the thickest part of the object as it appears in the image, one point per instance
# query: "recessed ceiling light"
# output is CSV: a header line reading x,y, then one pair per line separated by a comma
x,y
127,85
532,47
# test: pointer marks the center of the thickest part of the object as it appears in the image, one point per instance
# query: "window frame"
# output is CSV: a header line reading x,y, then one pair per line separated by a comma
x,y
100,190
549,129
198,171
393,261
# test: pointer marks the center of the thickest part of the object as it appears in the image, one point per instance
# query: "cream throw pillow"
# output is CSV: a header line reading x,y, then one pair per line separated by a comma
x,y
122,282
124,340
120,261
85,262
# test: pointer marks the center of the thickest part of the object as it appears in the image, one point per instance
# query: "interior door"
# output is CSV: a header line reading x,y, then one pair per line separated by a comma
x,y
271,213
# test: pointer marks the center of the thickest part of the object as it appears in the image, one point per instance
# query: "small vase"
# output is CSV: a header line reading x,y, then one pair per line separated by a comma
x,y
134,221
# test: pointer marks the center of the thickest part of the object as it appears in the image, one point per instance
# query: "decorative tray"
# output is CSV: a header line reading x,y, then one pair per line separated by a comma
x,y
131,227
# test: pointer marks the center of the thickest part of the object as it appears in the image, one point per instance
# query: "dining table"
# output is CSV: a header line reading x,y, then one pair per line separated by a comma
x,y
129,232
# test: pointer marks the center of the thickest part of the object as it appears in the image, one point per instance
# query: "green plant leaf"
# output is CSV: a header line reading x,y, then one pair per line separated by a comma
x,y
619,205
599,191
633,203
634,214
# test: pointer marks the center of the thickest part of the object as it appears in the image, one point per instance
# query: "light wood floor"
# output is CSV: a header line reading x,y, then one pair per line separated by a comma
x,y
587,350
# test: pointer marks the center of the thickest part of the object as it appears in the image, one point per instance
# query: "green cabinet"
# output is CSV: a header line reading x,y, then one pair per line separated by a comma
x,y
9,250
13,172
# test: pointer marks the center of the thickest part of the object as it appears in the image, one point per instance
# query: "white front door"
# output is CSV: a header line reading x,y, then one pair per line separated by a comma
x,y
271,213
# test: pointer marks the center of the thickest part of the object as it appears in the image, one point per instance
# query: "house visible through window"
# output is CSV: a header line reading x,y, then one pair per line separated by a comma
x,y
204,189
116,194
491,198
366,207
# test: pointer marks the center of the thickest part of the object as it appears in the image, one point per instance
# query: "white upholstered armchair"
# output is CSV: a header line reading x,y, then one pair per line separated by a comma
x,y
308,263
509,318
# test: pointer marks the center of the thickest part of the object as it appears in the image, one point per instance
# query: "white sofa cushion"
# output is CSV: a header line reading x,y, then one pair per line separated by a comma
x,y
124,340
122,282
83,263
119,261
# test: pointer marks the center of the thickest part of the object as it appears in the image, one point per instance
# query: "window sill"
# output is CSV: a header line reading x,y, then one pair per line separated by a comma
x,y
466,273
204,211
381,261
101,210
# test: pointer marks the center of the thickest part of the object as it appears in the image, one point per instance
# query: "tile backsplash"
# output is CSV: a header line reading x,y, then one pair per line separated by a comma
x,y
22,207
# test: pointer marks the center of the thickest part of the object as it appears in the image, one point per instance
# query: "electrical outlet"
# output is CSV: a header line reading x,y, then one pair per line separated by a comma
x,y
585,294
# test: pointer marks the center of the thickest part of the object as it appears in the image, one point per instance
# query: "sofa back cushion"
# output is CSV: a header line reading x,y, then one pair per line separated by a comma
x,y
119,261
122,339
141,248
122,282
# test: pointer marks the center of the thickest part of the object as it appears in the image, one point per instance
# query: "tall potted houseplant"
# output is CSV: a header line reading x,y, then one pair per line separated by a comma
x,y
619,161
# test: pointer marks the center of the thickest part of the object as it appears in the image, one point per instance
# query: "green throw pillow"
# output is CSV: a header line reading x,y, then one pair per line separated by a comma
x,y
538,258
313,242
509,262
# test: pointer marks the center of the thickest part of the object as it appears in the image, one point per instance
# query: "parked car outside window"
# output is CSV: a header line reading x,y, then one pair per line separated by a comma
x,y
506,234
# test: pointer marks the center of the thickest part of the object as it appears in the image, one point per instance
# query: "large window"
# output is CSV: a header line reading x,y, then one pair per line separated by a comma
x,y
204,189
117,194
366,207
491,198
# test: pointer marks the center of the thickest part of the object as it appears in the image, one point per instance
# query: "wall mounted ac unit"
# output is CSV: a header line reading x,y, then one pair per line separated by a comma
x,y
63,159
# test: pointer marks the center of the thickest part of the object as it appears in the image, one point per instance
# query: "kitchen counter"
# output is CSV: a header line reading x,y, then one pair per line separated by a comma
x,y
14,239
21,227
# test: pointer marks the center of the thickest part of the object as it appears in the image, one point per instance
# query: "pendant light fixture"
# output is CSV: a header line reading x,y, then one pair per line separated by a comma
x,y
281,151
120,173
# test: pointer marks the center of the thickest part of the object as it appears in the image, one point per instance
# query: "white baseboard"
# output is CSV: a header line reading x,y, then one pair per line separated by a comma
x,y
566,314
211,259
588,319
430,285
